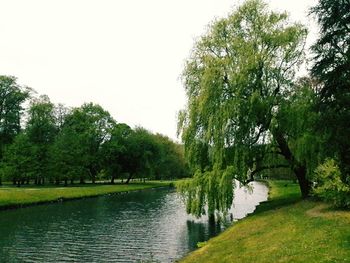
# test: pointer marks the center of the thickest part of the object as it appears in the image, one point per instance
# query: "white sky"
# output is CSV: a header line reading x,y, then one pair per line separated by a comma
x,y
126,55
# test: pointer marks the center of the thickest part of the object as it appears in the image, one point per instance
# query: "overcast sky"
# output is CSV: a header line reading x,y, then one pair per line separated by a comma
x,y
126,55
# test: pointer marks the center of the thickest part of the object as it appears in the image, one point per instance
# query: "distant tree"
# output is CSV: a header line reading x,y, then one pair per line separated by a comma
x,y
171,163
68,158
92,126
141,154
19,159
62,144
238,80
12,97
115,149
41,131
60,113
332,69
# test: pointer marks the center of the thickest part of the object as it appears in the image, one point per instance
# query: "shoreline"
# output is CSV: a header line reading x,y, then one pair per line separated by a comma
x,y
284,228
89,191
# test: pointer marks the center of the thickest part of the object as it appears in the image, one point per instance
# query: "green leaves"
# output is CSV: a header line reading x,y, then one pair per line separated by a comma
x,y
12,97
332,69
238,75
209,190
329,185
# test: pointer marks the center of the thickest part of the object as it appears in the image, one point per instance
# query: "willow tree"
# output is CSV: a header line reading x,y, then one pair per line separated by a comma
x,y
237,78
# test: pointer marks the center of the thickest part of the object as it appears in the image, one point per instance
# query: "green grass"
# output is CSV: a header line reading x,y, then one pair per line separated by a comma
x,y
283,229
12,197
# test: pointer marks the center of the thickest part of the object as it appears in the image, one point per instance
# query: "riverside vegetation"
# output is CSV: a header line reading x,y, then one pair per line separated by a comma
x,y
247,115
13,197
52,144
274,233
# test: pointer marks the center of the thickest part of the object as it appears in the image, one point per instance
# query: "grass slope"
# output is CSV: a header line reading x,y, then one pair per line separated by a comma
x,y
12,197
283,229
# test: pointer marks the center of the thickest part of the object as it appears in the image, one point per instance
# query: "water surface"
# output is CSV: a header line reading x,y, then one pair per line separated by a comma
x,y
149,225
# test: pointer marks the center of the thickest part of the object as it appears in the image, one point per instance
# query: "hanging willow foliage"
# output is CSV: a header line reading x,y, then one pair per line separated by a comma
x,y
212,188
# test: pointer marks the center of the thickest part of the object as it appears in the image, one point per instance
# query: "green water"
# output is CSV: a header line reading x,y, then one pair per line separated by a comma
x,y
149,225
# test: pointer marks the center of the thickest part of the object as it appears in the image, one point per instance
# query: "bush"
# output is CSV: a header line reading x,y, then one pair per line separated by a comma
x,y
329,185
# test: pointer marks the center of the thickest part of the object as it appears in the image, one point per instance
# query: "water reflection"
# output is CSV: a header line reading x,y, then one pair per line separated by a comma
x,y
143,225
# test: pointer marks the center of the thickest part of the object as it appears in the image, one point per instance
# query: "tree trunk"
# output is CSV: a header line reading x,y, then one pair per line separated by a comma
x,y
298,169
71,181
93,173
112,179
65,181
129,178
304,183
82,181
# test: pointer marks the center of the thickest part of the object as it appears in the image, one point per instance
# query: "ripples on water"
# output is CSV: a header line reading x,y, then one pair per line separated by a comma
x,y
149,225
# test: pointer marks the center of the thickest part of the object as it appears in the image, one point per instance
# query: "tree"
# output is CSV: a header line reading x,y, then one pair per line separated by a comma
x,y
68,160
332,69
12,97
171,162
60,113
19,159
91,126
141,154
114,150
41,131
238,78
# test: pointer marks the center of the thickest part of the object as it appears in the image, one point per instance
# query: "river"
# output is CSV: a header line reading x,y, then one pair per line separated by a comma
x,y
144,226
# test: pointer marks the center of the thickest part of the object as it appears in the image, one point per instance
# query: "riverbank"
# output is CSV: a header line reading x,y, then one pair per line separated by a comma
x,y
14,197
283,229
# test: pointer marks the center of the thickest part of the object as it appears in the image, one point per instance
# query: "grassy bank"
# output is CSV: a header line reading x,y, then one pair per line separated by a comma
x,y
284,229
12,197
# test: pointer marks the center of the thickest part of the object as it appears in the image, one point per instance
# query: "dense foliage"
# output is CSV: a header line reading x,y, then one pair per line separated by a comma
x,y
247,112
329,185
247,115
332,69
57,144
239,84
12,97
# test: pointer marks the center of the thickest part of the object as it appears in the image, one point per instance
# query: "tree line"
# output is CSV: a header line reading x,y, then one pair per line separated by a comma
x,y
247,111
48,143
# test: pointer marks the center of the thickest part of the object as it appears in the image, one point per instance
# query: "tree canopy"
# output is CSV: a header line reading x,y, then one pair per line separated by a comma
x,y
239,81
12,97
332,70
57,144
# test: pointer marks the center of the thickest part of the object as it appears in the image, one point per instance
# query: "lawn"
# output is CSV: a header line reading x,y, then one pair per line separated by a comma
x,y
283,229
12,197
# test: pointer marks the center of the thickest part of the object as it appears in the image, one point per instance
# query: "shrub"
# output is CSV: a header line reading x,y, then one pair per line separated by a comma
x,y
329,185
